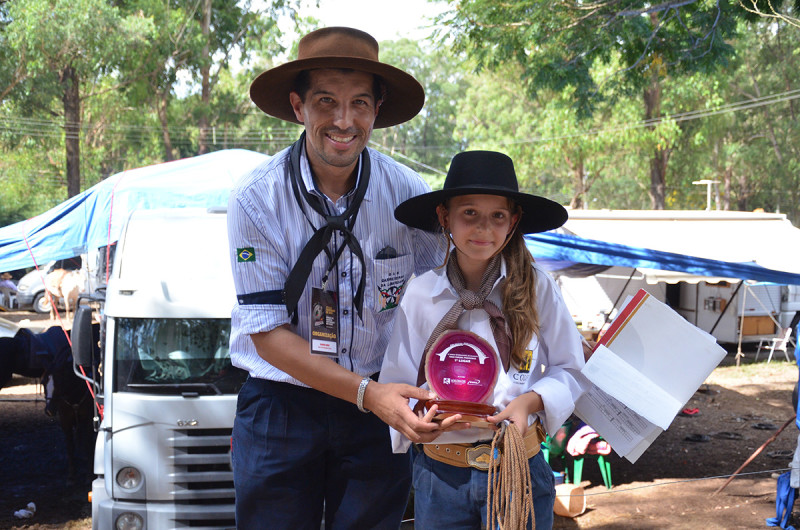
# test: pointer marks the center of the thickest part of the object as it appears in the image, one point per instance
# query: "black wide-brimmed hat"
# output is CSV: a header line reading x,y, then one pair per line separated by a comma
x,y
482,173
339,47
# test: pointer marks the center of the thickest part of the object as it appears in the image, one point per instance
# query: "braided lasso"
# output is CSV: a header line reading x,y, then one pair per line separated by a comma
x,y
509,497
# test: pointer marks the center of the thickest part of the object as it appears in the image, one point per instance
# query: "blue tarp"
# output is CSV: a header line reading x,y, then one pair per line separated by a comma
x,y
95,217
558,251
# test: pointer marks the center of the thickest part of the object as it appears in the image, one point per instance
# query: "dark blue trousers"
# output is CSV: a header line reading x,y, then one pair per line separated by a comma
x,y
297,450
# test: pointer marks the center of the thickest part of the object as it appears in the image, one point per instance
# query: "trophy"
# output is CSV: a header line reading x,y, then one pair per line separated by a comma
x,y
461,368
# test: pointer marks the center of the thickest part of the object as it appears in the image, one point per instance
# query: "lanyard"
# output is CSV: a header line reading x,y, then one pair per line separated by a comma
x,y
295,283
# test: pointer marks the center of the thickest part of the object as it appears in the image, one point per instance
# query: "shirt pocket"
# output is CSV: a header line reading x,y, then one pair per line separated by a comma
x,y
389,279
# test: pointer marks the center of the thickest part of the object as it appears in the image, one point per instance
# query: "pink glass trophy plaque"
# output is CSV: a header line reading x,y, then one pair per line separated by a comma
x,y
461,368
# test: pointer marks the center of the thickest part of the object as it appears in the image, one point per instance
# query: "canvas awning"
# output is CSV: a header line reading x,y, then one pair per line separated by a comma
x,y
95,217
559,252
766,239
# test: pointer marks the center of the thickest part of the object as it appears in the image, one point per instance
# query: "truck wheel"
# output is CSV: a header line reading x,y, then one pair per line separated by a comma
x,y
41,304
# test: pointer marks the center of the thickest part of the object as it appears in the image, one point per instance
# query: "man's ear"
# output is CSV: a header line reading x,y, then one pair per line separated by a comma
x,y
297,106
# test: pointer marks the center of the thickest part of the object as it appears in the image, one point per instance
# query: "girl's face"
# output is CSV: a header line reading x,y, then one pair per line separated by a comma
x,y
479,224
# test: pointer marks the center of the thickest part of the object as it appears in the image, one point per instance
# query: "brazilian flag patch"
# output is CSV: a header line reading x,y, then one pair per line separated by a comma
x,y
245,254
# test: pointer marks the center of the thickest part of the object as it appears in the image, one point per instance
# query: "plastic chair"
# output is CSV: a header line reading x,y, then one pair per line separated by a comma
x,y
774,344
576,463
605,469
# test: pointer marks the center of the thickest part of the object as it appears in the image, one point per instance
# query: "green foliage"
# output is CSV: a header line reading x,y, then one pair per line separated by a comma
x,y
561,95
558,44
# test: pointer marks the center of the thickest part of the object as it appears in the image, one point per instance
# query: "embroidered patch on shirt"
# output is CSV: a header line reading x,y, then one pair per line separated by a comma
x,y
245,254
526,363
390,290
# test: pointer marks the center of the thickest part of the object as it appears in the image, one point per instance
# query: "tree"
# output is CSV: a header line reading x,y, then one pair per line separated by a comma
x,y
427,138
61,48
562,45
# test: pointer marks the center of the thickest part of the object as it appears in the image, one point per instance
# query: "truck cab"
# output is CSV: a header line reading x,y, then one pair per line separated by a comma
x,y
168,389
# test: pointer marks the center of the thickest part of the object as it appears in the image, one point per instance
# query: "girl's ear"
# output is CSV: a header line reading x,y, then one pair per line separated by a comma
x,y
443,215
514,222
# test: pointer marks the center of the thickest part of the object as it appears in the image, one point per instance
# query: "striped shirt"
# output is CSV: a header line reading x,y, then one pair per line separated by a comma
x,y
267,230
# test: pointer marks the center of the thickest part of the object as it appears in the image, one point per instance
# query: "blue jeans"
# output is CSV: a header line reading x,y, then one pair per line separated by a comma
x,y
296,449
453,497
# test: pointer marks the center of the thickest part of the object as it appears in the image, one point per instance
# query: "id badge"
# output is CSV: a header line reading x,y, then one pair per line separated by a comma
x,y
324,323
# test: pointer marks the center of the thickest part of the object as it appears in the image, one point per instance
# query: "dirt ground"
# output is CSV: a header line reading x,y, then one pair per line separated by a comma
x,y
671,486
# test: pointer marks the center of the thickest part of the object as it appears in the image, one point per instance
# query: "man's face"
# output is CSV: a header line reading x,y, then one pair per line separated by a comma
x,y
338,113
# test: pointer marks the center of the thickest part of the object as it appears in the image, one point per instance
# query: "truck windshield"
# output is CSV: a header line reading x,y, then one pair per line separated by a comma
x,y
175,356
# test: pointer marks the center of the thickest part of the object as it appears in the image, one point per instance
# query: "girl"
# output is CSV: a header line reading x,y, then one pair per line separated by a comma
x,y
489,286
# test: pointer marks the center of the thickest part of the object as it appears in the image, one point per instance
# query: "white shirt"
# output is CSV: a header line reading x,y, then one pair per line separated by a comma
x,y
557,354
263,215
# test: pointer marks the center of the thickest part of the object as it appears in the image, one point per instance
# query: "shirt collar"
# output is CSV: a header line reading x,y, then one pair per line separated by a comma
x,y
442,284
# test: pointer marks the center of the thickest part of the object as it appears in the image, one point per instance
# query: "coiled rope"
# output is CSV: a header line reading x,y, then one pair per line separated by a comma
x,y
509,497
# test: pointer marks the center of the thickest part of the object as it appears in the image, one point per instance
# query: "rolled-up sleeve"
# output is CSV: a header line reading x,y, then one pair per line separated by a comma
x,y
258,264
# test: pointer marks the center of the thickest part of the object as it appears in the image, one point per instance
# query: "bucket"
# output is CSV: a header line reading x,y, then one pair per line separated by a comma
x,y
570,500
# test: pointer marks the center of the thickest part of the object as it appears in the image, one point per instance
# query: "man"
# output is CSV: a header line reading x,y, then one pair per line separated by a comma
x,y
319,262
7,288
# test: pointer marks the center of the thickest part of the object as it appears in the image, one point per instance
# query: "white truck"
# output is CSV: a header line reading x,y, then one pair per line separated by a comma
x,y
168,390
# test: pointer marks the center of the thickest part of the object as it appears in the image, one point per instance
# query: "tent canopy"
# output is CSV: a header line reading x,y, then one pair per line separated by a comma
x,y
557,252
95,217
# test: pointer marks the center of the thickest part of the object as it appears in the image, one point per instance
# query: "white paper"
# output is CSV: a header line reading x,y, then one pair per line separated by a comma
x,y
620,426
628,385
650,368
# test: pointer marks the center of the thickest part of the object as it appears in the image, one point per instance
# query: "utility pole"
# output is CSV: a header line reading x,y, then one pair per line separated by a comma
x,y
708,184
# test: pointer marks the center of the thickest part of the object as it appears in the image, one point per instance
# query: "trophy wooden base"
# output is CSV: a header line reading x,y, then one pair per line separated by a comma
x,y
472,413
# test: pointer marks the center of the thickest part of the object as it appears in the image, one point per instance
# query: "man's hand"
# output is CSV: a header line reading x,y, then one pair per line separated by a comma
x,y
390,402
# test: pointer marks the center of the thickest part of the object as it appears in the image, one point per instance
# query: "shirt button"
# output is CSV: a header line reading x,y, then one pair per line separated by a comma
x,y
346,311
344,275
344,350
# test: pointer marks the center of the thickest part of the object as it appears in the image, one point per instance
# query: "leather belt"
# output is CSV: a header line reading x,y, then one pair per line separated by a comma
x,y
479,456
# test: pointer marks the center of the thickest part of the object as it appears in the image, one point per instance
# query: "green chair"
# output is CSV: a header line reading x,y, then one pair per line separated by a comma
x,y
575,462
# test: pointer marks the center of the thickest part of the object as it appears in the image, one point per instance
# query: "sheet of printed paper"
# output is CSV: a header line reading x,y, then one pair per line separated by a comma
x,y
663,346
628,433
654,362
626,384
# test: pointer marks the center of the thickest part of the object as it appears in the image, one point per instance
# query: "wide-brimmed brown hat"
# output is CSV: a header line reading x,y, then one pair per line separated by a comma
x,y
482,173
339,47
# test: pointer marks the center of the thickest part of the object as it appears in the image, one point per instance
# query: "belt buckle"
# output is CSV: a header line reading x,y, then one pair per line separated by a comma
x,y
480,456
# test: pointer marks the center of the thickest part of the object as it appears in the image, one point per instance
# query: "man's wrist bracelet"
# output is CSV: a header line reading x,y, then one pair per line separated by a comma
x,y
362,388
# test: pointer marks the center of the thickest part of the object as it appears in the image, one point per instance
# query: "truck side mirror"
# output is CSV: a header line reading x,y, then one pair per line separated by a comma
x,y
82,337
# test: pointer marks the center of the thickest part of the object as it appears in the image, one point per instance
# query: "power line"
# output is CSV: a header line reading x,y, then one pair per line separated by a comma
x,y
184,135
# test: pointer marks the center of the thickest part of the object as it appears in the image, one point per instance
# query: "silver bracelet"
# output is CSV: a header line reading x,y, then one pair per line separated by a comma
x,y
362,388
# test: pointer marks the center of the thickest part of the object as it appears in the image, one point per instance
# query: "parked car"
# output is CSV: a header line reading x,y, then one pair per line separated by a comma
x,y
30,288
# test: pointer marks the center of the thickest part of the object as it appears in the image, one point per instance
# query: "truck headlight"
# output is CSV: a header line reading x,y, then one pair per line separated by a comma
x,y
129,478
129,521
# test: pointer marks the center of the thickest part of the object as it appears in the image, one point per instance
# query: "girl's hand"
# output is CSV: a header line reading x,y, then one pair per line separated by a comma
x,y
451,423
518,410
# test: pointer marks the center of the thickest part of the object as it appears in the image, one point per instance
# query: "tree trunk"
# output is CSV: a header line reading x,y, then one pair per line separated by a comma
x,y
161,109
72,129
727,177
744,194
205,94
579,182
660,158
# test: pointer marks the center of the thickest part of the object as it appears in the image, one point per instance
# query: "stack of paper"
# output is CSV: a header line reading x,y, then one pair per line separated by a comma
x,y
645,368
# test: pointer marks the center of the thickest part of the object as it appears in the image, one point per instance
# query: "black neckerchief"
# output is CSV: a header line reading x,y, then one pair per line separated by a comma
x,y
295,283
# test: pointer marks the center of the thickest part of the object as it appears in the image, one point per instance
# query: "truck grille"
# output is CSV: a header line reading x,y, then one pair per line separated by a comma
x,y
202,475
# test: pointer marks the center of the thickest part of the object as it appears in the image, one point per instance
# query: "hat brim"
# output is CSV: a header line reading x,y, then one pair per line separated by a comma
x,y
538,213
404,95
